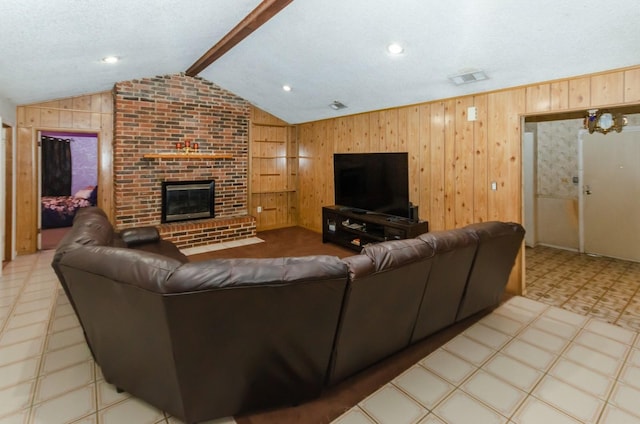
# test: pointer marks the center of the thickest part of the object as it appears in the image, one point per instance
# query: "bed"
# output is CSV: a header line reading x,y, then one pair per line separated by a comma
x,y
59,211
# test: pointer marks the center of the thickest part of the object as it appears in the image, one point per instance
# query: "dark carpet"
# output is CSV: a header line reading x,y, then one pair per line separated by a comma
x,y
291,241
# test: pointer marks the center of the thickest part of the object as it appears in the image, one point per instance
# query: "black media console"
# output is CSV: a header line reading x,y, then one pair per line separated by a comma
x,y
355,228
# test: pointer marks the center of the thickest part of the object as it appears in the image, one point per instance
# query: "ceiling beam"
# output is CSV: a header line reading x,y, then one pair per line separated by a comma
x,y
258,16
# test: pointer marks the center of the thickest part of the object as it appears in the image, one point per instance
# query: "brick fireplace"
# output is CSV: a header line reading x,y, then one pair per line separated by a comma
x,y
152,115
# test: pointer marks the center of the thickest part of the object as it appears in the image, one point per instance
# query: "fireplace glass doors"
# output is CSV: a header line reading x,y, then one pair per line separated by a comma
x,y
187,200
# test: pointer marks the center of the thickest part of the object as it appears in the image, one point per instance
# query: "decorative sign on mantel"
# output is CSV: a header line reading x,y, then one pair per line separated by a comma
x,y
186,156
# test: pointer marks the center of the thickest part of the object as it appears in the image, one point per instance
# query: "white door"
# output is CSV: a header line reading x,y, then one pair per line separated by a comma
x,y
610,197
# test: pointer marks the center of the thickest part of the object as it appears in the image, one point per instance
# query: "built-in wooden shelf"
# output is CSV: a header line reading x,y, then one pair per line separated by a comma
x,y
291,190
185,156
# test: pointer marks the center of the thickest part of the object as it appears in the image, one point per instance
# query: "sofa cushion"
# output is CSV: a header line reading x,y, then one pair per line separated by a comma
x,y
90,227
146,270
381,305
395,253
498,247
454,253
227,273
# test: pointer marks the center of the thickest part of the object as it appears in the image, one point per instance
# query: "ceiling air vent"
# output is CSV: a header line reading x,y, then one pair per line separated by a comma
x,y
336,105
468,77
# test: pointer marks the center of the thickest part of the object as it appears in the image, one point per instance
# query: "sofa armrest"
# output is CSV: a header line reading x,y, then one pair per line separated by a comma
x,y
140,235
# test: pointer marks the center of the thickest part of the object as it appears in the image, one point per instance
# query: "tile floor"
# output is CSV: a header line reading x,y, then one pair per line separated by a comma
x,y
589,285
47,374
525,363
528,362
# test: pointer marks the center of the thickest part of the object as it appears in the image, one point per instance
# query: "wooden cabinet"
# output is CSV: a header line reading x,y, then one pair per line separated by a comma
x,y
274,171
355,230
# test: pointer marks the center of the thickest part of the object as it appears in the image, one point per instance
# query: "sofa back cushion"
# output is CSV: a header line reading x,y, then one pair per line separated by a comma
x,y
498,247
149,271
90,227
245,272
395,253
454,253
381,305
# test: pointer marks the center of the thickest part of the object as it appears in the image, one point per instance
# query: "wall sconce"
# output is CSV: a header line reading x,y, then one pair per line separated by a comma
x,y
603,121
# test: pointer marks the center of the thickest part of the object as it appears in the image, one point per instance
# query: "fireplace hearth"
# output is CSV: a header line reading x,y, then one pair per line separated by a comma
x,y
187,200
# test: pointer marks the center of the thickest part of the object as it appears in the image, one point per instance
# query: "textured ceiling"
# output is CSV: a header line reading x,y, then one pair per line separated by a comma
x,y
325,49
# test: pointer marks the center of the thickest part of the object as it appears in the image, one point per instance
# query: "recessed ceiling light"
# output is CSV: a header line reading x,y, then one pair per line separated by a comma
x,y
110,59
395,48
286,87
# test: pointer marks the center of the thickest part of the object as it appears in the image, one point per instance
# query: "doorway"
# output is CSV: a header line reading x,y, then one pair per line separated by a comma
x,y
68,181
7,139
552,197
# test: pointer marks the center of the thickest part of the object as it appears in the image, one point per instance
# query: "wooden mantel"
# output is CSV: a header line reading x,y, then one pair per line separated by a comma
x,y
187,156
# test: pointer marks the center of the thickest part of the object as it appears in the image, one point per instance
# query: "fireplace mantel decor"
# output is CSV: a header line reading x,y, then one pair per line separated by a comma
x,y
177,155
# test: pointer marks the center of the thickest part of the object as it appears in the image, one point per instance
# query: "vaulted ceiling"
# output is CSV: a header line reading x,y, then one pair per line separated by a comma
x,y
325,50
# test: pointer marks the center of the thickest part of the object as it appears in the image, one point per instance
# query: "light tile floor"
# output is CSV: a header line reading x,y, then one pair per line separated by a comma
x,y
568,352
527,362
47,374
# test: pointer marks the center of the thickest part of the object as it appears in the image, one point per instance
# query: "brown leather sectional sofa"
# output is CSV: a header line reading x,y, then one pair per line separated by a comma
x,y
221,337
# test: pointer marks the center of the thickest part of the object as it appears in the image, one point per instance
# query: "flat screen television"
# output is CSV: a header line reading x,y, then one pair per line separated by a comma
x,y
372,182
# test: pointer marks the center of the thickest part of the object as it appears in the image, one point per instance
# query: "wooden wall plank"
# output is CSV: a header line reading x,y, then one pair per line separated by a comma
x,y
632,86
580,93
538,98
424,154
105,163
504,154
68,115
409,141
389,130
450,164
559,95
26,191
437,167
374,130
50,118
361,133
607,89
463,164
480,161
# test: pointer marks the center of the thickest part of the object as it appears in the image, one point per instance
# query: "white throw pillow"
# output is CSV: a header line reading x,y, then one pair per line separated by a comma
x,y
84,193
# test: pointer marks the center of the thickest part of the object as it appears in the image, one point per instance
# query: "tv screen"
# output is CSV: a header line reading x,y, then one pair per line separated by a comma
x,y
375,182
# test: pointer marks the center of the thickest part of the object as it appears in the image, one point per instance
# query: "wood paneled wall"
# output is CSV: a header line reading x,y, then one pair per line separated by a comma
x,y
454,161
90,113
273,167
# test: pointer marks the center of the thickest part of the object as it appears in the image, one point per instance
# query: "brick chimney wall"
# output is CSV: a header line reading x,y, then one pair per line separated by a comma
x,y
152,115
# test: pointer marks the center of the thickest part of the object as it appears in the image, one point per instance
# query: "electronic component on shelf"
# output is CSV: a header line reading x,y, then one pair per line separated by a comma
x,y
352,225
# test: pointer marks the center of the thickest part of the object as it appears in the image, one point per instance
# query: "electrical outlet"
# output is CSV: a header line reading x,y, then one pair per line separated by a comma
x,y
259,208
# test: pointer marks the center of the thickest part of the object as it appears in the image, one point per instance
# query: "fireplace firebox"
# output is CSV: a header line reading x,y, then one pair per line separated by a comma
x,y
187,200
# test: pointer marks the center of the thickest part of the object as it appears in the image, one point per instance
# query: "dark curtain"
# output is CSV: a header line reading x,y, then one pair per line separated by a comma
x,y
56,166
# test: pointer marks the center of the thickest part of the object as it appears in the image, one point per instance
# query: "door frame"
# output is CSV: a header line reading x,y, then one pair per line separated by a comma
x,y
37,136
